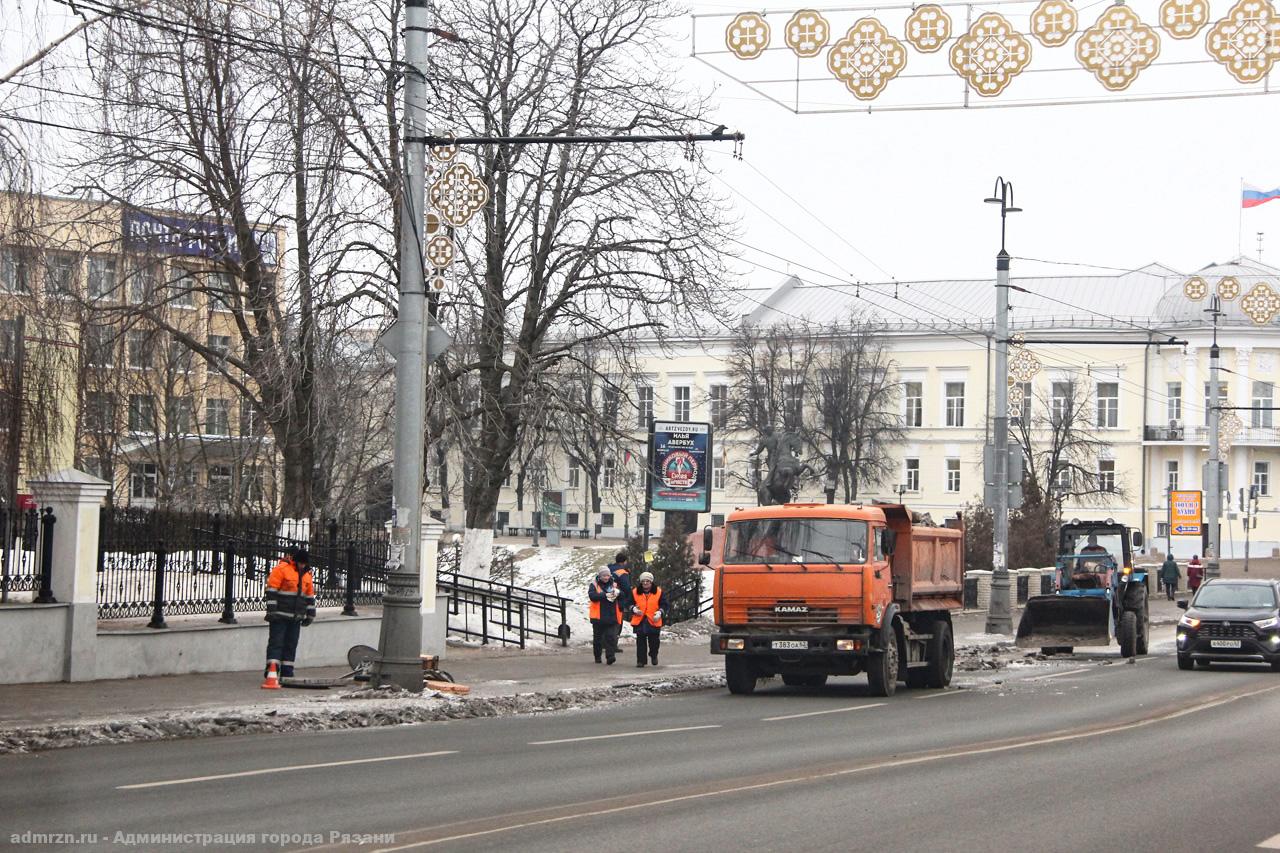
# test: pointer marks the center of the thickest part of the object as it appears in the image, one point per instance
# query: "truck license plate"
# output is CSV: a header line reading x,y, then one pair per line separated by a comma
x,y
1224,644
797,644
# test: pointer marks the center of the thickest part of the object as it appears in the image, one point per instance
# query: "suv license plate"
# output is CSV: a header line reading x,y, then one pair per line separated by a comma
x,y
792,644
1224,644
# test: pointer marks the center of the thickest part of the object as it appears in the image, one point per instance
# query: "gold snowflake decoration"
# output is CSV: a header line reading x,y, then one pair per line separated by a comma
x,y
1023,365
807,33
1247,41
1229,426
436,285
459,195
1053,22
990,54
433,222
1117,48
440,251
747,35
866,59
928,28
1261,304
1182,19
1228,287
444,153
1016,397
1195,288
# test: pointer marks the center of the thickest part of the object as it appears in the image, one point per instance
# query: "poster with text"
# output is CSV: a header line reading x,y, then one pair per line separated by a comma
x,y
681,454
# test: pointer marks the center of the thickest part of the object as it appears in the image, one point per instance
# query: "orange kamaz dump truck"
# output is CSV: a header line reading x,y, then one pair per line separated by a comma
x,y
807,591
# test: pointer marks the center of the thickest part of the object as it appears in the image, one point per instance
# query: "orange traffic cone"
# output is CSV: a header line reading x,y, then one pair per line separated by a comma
x,y
273,678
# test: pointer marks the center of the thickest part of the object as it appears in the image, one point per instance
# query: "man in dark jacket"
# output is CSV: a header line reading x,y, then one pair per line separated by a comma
x,y
648,608
1169,576
621,571
291,605
606,615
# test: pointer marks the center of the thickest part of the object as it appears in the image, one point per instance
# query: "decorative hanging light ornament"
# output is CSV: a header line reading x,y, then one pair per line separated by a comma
x,y
747,35
1261,304
1228,287
1195,288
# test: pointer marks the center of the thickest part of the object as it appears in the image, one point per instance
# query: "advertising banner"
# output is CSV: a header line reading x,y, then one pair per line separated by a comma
x,y
681,454
553,510
179,235
1185,517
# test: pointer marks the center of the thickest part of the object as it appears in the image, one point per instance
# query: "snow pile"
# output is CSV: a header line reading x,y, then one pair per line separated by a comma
x,y
363,708
992,656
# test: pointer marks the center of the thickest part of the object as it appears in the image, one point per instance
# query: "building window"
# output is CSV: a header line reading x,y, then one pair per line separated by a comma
x,y
102,277
180,359
220,483
1024,413
1108,405
142,413
1262,478
60,274
99,343
8,340
717,468
181,287
681,406
953,475
571,520
575,474
219,286
252,424
793,406
1106,475
1263,400
1222,399
221,346
911,477
720,406
142,285
1171,475
1162,530
142,482
15,271
955,405
606,474
606,519
217,416
913,402
644,406
99,413
610,396
180,415
1061,397
1173,404
138,349
1062,479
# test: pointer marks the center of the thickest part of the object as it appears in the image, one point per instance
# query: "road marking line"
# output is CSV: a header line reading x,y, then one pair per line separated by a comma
x,y
1272,843
830,774
1060,674
935,695
820,713
268,770
620,734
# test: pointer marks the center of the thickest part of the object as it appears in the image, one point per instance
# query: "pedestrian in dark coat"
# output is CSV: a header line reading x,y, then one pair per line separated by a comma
x,y
606,615
1195,573
1169,576
648,609
291,606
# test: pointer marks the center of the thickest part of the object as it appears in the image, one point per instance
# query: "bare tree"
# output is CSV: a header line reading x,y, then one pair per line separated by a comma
x,y
579,245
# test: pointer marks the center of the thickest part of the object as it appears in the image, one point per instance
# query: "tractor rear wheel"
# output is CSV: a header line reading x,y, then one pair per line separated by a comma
x,y
1127,634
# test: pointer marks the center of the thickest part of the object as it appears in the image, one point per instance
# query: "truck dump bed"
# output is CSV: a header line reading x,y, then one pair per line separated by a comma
x,y
928,562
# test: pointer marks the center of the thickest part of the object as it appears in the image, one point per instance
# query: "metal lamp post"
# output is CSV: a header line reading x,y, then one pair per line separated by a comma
x,y
999,614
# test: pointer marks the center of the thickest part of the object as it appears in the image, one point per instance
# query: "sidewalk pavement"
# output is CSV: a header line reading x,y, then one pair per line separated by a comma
x,y
489,671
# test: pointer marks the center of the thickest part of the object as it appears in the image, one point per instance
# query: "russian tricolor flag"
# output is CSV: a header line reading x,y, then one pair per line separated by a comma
x,y
1254,196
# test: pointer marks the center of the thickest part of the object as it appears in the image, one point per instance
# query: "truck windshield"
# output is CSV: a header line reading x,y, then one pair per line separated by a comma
x,y
796,540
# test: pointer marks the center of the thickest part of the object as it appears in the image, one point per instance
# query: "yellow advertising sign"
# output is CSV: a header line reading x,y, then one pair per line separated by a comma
x,y
1185,516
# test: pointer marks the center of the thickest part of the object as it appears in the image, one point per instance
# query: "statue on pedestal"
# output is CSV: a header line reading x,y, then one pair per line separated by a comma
x,y
785,468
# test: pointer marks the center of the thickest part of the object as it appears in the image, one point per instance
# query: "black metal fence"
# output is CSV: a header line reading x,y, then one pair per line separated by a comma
x,y
26,552
496,612
157,563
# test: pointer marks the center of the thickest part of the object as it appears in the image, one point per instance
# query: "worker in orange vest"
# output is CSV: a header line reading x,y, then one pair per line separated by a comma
x,y
291,605
649,605
606,615
622,577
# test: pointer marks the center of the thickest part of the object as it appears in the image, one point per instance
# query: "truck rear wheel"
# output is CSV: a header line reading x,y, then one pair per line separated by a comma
x,y
1127,634
942,657
882,670
739,675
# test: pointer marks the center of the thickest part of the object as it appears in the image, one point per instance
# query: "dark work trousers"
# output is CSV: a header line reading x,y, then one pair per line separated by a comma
x,y
282,644
649,641
604,637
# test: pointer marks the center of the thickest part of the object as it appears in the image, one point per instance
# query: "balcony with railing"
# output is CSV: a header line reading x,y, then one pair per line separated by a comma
x,y
1265,436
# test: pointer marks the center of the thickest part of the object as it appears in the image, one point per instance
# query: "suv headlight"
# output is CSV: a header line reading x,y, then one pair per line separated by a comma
x,y
1189,621
1264,624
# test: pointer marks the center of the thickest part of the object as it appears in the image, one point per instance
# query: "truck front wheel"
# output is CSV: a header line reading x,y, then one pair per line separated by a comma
x,y
882,670
739,675
942,657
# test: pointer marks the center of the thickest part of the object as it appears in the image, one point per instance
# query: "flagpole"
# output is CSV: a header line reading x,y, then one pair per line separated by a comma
x,y
1240,222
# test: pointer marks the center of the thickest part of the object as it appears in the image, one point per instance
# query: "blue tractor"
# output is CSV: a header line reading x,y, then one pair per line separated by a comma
x,y
1098,594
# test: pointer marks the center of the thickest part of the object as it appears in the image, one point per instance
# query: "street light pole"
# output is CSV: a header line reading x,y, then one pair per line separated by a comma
x,y
1000,613
1213,484
399,659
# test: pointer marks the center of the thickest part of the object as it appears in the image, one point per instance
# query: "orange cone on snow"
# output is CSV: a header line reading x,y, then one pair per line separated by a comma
x,y
273,678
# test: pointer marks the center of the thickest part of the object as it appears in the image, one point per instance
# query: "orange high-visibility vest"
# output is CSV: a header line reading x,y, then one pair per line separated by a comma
x,y
648,604
594,610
